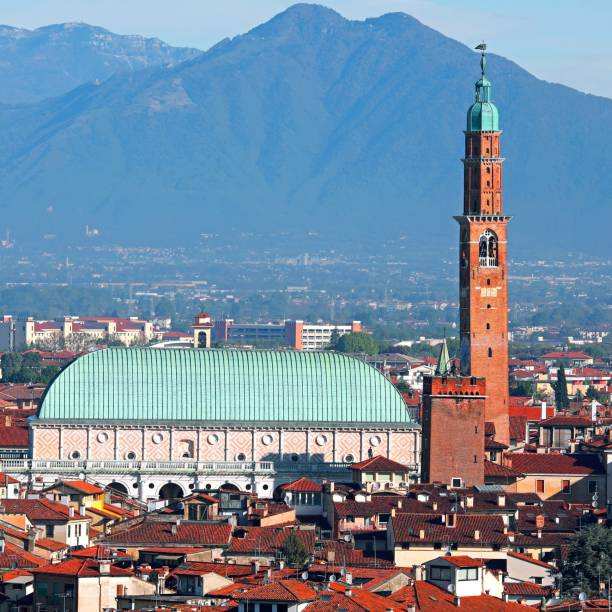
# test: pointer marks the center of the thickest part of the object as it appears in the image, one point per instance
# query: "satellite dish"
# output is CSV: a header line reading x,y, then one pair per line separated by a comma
x,y
451,588
304,575
582,596
594,503
333,578
343,571
347,537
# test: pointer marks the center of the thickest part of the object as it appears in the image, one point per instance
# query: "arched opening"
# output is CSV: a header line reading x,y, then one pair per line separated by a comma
x,y
117,487
202,340
229,486
171,491
186,449
487,250
490,352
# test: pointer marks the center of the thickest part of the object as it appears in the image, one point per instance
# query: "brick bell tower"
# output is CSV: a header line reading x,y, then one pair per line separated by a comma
x,y
483,270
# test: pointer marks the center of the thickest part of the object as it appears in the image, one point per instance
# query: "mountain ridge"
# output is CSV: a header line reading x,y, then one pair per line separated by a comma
x,y
309,122
51,60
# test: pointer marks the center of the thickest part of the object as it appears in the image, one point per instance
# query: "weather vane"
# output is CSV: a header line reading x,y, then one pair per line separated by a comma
x,y
482,47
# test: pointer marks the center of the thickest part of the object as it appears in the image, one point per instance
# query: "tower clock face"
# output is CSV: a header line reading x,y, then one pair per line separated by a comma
x,y
465,355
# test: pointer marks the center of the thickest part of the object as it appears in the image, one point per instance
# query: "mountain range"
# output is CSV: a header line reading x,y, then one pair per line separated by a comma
x,y
307,123
50,61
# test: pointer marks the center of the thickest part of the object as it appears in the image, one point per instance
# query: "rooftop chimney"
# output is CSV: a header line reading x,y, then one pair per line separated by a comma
x,y
477,534
501,500
421,534
104,567
451,519
543,411
469,500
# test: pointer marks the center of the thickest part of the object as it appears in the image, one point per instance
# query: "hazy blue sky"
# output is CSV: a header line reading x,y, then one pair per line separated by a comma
x,y
566,41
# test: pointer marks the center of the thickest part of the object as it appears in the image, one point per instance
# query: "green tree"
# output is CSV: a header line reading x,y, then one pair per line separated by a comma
x,y
356,342
11,366
48,373
523,389
589,560
560,388
593,393
294,551
31,366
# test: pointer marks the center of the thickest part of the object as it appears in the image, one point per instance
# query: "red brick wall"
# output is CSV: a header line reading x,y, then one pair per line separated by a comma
x,y
453,431
484,290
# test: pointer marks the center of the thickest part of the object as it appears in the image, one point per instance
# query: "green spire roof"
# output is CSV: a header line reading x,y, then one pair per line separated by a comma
x,y
222,386
482,116
444,362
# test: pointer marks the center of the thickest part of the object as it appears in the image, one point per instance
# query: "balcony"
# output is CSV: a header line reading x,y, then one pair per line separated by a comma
x,y
262,468
41,466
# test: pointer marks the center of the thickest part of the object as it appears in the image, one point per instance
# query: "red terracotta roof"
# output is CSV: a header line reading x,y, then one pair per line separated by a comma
x,y
379,464
565,355
284,590
526,588
149,532
430,598
97,552
13,556
83,487
407,528
15,436
376,505
267,540
6,479
82,568
494,445
343,597
50,544
568,420
302,485
532,413
15,573
462,561
38,509
495,470
230,570
555,463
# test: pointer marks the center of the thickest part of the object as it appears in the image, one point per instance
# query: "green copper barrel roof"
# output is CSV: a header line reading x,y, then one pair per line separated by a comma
x,y
236,386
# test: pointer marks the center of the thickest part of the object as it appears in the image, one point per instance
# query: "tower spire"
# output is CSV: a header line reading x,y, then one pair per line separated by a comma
x,y
444,365
482,47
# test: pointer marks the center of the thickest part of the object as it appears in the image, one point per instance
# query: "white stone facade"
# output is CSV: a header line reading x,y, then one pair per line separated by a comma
x,y
144,458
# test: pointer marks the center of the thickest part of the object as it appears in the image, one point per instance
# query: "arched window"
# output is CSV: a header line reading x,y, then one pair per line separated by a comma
x,y
490,352
487,250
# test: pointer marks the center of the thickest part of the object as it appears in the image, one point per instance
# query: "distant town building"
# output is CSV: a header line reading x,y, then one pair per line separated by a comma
x,y
294,334
16,333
